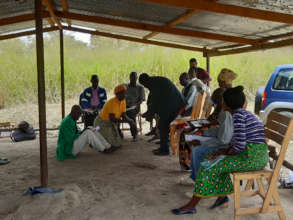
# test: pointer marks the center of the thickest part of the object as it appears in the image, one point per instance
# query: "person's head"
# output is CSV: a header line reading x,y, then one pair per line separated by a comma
x,y
133,78
75,112
193,62
192,72
234,98
95,81
225,78
184,79
120,91
217,97
144,79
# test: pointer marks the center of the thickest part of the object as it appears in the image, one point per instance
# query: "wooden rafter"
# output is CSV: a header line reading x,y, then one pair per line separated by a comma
x,y
49,6
65,9
138,40
260,41
20,18
228,9
25,33
50,22
282,43
156,28
176,21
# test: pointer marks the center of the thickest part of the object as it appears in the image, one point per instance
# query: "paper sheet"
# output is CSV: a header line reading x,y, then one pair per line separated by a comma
x,y
192,137
131,108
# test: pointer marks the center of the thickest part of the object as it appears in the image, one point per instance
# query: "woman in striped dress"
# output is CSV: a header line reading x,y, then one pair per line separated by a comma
x,y
247,152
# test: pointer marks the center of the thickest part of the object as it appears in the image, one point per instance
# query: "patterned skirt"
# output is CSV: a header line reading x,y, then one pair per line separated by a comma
x,y
216,181
109,131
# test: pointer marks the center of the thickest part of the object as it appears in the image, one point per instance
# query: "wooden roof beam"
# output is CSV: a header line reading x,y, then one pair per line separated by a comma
x,y
65,9
134,39
25,33
228,9
176,21
264,46
50,22
260,41
155,28
48,4
20,18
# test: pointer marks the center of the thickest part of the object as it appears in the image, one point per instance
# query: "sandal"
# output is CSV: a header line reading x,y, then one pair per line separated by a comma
x,y
4,161
183,212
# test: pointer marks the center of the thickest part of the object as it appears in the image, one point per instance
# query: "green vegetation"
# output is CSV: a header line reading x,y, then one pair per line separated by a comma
x,y
112,60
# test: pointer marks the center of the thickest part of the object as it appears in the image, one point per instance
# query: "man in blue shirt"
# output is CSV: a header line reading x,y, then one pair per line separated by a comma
x,y
92,101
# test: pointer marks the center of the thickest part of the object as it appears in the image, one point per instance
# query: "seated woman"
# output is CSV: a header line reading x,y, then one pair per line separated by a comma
x,y
114,112
247,152
219,135
225,79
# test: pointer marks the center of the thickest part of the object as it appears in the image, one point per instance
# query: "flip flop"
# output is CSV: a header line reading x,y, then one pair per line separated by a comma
x,y
38,189
183,212
4,161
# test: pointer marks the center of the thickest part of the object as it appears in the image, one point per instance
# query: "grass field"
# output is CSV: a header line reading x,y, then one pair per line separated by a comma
x,y
112,60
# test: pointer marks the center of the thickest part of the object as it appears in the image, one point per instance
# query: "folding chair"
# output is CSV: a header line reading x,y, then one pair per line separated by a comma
x,y
197,113
138,120
279,129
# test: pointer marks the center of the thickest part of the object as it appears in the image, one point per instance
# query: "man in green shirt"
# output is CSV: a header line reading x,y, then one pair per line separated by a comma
x,y
71,140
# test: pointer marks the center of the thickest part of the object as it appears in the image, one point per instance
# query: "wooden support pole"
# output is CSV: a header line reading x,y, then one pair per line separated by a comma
x,y
41,92
62,74
208,63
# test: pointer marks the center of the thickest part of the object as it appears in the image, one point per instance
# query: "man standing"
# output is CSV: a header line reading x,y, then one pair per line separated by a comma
x,y
92,101
195,71
71,140
189,93
135,95
166,101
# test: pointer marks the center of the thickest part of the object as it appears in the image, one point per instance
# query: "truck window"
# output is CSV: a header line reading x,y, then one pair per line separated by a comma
x,y
284,80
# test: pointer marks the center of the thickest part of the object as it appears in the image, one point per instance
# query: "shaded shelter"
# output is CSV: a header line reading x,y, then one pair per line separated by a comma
x,y
212,27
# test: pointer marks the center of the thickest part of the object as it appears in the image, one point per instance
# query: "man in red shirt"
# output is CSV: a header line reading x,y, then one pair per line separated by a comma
x,y
195,71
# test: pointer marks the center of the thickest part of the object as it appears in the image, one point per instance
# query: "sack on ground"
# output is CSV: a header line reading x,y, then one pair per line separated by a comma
x,y
23,132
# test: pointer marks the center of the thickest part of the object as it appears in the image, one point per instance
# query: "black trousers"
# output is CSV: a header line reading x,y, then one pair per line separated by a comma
x,y
89,118
164,125
132,114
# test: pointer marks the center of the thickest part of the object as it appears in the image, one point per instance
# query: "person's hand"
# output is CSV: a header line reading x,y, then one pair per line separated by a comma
x,y
193,143
200,133
213,156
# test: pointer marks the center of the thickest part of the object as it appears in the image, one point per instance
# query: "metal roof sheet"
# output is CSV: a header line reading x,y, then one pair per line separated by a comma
x,y
150,13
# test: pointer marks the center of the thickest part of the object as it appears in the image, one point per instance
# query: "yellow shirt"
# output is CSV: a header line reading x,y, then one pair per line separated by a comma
x,y
113,106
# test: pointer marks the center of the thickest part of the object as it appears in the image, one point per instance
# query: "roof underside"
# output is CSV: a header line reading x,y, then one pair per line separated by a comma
x,y
140,12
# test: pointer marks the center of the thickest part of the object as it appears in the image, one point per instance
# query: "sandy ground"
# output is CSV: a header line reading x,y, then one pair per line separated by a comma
x,y
129,184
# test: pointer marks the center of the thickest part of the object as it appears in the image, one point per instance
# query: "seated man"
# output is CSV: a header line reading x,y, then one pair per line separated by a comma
x,y
92,101
71,140
134,96
188,92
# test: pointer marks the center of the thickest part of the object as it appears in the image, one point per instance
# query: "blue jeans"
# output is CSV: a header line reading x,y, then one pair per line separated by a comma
x,y
197,156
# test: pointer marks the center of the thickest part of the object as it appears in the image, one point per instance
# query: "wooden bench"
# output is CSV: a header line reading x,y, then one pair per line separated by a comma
x,y
279,129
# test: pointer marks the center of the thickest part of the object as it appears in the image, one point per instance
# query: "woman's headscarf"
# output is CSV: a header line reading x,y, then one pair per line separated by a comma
x,y
120,88
227,76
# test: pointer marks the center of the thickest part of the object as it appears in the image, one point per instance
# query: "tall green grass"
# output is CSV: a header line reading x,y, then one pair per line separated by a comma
x,y
113,60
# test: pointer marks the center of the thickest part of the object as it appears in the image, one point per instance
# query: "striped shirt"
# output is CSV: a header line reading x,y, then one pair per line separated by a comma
x,y
247,129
